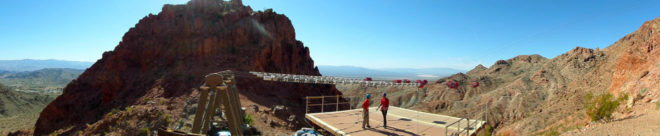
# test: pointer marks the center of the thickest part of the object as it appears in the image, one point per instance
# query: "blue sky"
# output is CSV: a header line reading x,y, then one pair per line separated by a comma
x,y
365,33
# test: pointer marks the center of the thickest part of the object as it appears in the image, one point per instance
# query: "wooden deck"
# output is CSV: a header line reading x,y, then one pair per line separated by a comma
x,y
399,122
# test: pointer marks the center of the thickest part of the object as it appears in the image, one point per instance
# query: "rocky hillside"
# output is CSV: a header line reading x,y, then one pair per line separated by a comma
x,y
530,94
14,103
160,62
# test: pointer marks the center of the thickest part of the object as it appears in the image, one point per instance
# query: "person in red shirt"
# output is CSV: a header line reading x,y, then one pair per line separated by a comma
x,y
365,112
384,104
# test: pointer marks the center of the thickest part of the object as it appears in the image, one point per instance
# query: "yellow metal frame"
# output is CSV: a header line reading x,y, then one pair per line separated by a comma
x,y
222,89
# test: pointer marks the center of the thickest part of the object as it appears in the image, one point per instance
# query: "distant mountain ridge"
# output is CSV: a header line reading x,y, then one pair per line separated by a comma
x,y
32,65
43,80
387,73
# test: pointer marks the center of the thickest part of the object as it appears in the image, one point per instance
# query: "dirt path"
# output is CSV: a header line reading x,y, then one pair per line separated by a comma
x,y
644,123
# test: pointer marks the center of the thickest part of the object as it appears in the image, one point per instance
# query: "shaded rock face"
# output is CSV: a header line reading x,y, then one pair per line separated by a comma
x,y
175,49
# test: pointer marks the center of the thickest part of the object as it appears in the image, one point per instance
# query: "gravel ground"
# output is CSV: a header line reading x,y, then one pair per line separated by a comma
x,y
644,121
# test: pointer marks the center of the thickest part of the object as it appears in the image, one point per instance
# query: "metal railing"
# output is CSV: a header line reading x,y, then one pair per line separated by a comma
x,y
279,77
458,126
337,102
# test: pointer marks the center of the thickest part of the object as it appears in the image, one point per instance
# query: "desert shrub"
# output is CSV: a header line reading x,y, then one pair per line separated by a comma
x,y
129,109
602,106
145,131
552,132
112,112
167,118
623,97
248,120
487,131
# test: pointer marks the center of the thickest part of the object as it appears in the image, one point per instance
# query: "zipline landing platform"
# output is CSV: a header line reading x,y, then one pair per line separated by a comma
x,y
400,121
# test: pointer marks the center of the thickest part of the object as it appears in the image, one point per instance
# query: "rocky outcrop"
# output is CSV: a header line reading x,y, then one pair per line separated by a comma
x,y
477,69
168,54
639,57
529,59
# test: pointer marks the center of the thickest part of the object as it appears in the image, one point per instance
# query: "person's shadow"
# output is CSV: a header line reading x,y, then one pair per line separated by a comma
x,y
394,129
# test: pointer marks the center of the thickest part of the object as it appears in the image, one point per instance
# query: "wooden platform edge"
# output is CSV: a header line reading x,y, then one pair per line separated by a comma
x,y
324,125
478,124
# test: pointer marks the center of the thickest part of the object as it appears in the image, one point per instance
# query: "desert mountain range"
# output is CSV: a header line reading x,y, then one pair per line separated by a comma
x,y
32,65
151,78
529,93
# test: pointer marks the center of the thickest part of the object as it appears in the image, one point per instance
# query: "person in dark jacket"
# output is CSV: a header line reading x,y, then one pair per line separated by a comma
x,y
384,104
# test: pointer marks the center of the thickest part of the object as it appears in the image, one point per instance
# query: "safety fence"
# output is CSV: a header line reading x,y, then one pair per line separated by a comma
x,y
460,130
321,104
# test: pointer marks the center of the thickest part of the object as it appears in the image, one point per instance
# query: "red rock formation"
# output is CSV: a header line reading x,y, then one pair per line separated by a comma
x,y
638,58
175,49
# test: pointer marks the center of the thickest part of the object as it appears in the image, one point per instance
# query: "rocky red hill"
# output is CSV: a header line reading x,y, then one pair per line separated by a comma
x,y
530,94
165,57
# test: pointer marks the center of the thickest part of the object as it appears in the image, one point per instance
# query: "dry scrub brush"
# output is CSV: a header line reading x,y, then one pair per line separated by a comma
x,y
602,106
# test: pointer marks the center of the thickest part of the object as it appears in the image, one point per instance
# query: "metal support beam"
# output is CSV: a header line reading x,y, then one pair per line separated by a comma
x,y
337,106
